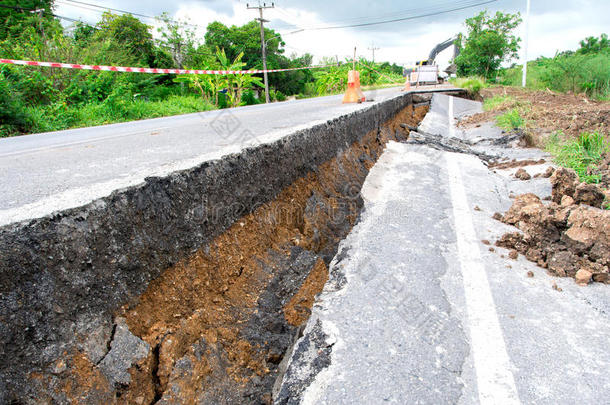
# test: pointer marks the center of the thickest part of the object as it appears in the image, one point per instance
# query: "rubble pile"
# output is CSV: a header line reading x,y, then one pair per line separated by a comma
x,y
569,236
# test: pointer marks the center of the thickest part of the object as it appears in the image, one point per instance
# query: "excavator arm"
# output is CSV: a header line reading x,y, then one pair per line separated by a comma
x,y
441,47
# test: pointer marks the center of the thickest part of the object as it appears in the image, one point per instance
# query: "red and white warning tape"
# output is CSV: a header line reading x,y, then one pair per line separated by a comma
x,y
148,70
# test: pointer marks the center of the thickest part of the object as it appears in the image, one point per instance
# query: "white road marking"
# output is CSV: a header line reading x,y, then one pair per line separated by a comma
x,y
451,118
495,381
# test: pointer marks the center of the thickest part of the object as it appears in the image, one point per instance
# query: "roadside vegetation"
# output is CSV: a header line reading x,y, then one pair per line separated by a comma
x,y
43,99
582,154
472,84
563,108
585,71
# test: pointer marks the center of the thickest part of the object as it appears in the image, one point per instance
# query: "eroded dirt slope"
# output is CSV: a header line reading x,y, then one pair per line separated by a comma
x,y
547,112
215,327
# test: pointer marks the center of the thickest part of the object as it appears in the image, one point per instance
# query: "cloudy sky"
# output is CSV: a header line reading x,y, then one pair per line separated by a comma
x,y
554,24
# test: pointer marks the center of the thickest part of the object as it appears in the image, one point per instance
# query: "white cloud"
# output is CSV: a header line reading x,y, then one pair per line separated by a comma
x,y
556,25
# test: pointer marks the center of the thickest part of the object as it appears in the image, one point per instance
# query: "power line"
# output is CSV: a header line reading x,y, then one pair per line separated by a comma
x,y
29,11
404,18
103,9
109,8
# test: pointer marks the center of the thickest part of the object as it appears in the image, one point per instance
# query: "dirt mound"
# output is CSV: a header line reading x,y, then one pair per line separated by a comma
x,y
547,112
570,236
565,183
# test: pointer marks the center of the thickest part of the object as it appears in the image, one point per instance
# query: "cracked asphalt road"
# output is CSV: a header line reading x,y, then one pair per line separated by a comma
x,y
43,173
418,310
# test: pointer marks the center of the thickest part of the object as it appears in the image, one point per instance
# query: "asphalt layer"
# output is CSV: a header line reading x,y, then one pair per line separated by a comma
x,y
418,310
43,173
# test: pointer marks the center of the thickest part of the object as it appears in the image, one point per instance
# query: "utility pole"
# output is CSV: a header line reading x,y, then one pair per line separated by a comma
x,y
263,44
527,24
373,49
40,12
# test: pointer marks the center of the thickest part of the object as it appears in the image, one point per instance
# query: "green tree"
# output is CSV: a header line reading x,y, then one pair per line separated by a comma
x,y
594,45
15,14
247,39
489,43
128,36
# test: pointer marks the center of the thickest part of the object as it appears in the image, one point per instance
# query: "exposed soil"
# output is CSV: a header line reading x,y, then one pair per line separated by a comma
x,y
570,236
219,323
547,112
515,163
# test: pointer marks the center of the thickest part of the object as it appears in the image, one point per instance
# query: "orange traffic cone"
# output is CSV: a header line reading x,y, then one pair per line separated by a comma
x,y
354,93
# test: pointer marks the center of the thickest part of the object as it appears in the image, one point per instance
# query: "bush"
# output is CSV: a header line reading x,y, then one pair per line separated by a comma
x,y
13,114
249,98
589,74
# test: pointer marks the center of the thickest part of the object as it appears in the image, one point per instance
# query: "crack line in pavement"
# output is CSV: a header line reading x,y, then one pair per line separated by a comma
x,y
495,381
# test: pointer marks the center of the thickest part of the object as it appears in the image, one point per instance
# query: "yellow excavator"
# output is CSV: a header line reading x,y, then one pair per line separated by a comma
x,y
426,71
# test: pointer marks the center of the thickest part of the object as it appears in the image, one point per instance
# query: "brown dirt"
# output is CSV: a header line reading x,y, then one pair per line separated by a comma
x,y
298,309
515,163
549,112
570,236
196,312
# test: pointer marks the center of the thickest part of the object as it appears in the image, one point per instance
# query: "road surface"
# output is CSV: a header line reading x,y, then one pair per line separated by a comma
x,y
43,173
418,310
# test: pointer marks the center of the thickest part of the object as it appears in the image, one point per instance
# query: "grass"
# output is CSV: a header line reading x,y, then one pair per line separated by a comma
x,y
581,154
60,116
472,84
498,103
511,120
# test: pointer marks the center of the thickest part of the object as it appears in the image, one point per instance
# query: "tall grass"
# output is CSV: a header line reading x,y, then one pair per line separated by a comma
x,y
581,154
59,116
589,74
472,84
512,120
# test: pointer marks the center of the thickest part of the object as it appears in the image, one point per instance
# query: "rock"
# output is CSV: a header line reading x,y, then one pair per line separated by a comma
x,y
513,255
513,240
126,350
486,242
530,274
564,182
562,263
59,367
522,174
554,286
583,277
589,226
497,216
529,214
566,201
589,194
549,172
